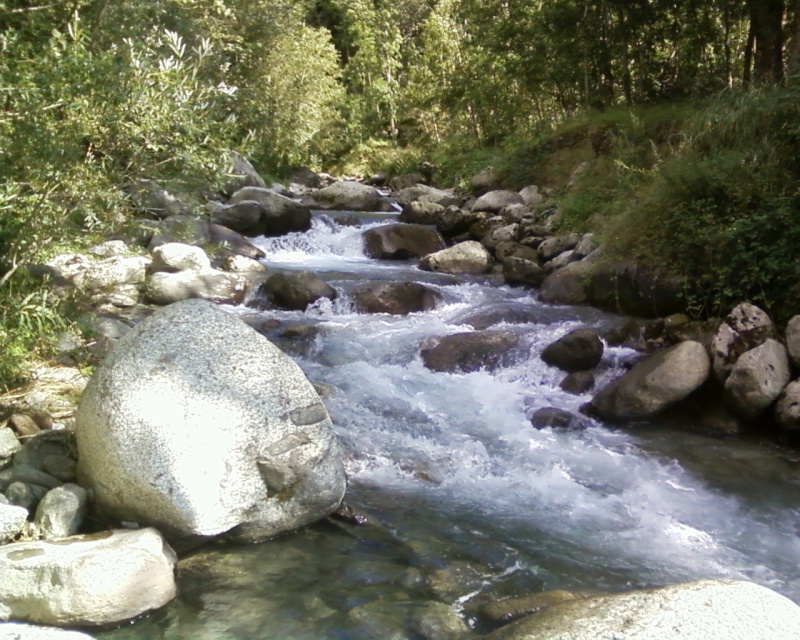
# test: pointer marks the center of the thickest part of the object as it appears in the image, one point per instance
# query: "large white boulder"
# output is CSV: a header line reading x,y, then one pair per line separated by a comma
x,y
197,424
94,579
12,520
19,631
703,610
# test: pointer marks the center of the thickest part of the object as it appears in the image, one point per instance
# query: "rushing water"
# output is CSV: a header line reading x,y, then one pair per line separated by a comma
x,y
457,481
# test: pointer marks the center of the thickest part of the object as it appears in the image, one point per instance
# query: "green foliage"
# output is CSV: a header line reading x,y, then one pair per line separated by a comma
x,y
723,208
31,317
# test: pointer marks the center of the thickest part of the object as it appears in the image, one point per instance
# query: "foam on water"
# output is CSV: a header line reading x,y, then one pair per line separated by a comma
x,y
462,448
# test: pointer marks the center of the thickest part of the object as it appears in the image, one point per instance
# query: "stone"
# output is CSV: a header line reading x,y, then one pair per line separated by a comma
x,y
87,580
438,621
787,411
12,521
296,290
424,194
455,221
20,631
219,286
561,260
305,177
556,245
516,212
349,196
744,328
579,350
519,271
470,258
197,424
25,495
8,443
241,264
279,215
484,181
655,384
567,285
587,245
557,419
466,352
510,609
401,241
109,249
230,243
793,340
395,298
757,379
497,313
636,290
494,201
61,511
578,382
421,213
56,443
23,425
507,233
241,174
406,181
152,200
113,272
505,250
701,610
530,195
175,256
184,228
487,224
243,217
60,467
26,473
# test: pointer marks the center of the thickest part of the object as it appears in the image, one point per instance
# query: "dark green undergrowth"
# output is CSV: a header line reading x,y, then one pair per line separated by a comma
x,y
724,207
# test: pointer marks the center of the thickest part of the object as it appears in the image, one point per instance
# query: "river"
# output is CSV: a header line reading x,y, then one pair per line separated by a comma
x,y
457,482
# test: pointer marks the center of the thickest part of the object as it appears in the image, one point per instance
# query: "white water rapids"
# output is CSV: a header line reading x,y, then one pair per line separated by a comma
x,y
451,466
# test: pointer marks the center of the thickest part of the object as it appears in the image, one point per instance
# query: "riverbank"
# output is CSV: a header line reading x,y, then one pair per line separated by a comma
x,y
469,500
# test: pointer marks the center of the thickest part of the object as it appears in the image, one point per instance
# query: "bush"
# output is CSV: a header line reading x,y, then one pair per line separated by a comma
x,y
722,210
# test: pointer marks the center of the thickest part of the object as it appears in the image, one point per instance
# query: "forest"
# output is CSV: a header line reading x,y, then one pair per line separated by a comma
x,y
691,107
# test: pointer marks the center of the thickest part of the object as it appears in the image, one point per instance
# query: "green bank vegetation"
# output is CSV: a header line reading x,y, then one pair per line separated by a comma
x,y
684,110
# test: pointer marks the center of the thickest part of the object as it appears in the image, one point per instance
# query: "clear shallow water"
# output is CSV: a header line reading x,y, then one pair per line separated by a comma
x,y
453,475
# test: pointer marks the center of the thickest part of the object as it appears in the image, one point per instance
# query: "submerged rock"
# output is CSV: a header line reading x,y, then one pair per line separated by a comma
x,y
396,298
579,350
700,610
88,580
401,241
200,426
467,352
296,289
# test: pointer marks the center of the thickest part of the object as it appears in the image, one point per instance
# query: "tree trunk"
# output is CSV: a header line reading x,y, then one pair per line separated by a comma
x,y
793,59
766,23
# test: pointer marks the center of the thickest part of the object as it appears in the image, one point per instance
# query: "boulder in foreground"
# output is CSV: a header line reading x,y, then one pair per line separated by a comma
x,y
198,425
702,610
86,580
